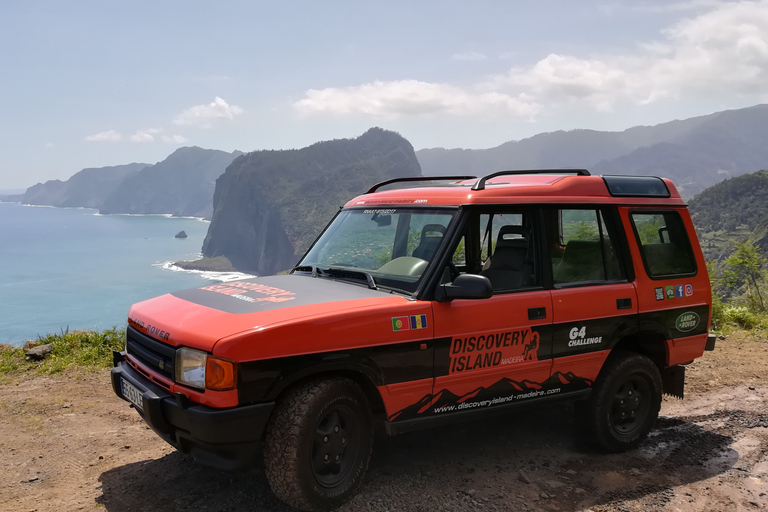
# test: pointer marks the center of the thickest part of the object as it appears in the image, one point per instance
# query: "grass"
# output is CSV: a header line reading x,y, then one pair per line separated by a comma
x,y
76,349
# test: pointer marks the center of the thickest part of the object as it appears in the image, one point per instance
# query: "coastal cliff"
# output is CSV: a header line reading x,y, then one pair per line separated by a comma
x,y
85,189
269,206
181,185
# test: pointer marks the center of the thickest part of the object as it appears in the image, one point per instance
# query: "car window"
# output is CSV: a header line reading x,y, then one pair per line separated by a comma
x,y
500,245
664,243
581,248
394,246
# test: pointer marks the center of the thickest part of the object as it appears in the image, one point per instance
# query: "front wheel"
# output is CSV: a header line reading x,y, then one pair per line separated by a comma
x,y
625,402
318,444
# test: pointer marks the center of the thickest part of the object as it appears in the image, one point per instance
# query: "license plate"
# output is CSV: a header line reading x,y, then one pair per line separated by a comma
x,y
132,393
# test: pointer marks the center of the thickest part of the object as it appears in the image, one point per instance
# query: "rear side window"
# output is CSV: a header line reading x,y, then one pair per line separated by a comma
x,y
664,243
582,250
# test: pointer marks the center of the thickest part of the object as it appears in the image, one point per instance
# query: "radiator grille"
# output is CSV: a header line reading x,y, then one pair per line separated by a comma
x,y
153,354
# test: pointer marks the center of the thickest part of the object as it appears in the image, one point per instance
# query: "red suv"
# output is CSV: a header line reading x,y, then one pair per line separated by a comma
x,y
428,305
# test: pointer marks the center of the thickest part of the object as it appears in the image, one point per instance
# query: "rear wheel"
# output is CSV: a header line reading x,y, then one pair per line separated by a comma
x,y
318,444
625,402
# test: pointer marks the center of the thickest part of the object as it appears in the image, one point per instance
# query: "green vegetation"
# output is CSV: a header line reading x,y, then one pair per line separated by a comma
x,y
731,219
737,299
731,211
79,349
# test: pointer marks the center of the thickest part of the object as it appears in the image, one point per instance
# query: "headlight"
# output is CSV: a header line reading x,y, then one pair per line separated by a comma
x,y
197,369
190,367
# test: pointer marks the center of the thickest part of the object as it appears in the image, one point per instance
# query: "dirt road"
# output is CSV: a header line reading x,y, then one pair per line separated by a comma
x,y
67,443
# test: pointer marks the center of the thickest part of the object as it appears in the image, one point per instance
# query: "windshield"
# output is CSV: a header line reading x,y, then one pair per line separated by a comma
x,y
393,246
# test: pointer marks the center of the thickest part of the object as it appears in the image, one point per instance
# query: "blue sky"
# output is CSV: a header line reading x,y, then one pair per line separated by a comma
x,y
94,83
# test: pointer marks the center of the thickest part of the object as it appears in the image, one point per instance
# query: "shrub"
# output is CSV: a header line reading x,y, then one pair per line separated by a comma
x,y
741,316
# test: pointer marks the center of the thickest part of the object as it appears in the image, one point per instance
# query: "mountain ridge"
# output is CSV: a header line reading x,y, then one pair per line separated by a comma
x,y
695,152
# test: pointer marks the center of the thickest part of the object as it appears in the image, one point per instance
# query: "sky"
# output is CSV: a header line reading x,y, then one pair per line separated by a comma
x,y
94,83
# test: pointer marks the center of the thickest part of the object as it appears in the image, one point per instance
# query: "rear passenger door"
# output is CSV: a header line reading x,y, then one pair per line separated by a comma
x,y
593,300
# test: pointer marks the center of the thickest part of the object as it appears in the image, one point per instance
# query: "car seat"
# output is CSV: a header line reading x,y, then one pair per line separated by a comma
x,y
431,236
511,265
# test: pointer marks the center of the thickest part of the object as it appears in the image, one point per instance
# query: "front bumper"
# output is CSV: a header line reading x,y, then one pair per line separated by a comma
x,y
223,438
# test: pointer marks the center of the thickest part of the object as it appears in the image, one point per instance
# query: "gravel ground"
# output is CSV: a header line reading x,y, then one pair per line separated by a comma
x,y
67,443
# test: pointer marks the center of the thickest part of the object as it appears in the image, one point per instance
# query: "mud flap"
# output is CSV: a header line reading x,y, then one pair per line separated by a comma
x,y
673,379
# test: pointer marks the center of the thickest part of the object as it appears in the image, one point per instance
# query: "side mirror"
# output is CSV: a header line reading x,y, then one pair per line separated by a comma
x,y
465,286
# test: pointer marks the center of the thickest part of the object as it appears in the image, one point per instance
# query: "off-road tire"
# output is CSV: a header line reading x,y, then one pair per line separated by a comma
x,y
311,425
625,402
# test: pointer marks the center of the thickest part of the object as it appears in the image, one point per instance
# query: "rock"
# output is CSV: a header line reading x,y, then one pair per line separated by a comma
x,y
181,234
31,344
5,346
39,352
523,477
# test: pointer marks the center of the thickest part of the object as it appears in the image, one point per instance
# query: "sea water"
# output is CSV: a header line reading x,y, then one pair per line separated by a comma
x,y
63,268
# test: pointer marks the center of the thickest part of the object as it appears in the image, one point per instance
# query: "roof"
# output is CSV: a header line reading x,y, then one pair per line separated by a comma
x,y
520,187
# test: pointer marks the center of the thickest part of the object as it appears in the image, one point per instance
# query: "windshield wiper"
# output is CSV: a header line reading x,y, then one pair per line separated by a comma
x,y
344,273
316,272
353,274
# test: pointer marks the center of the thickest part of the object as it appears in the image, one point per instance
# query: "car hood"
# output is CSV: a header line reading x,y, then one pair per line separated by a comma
x,y
202,317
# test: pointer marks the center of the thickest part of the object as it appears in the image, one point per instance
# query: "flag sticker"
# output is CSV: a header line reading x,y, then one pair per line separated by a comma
x,y
400,323
406,323
418,321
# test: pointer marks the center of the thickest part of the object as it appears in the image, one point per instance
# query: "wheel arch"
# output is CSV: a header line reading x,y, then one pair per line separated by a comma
x,y
649,343
364,377
653,345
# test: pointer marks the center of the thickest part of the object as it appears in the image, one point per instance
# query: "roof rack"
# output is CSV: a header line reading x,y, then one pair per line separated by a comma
x,y
480,185
419,178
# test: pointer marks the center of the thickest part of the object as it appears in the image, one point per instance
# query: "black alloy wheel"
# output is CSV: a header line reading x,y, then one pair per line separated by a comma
x,y
625,402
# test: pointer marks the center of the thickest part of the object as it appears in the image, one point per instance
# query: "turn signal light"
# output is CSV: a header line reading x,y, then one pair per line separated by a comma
x,y
220,374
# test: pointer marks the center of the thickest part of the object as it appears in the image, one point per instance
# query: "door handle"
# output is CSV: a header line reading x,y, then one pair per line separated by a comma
x,y
537,313
623,303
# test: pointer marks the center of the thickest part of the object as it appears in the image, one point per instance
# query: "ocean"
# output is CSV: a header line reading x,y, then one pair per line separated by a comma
x,y
66,268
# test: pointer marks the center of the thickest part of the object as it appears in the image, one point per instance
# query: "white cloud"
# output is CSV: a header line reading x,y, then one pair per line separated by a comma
x,y
721,48
108,136
174,139
469,56
411,97
145,134
204,115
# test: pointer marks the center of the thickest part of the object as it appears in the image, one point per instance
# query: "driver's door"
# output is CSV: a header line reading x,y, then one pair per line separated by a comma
x,y
495,351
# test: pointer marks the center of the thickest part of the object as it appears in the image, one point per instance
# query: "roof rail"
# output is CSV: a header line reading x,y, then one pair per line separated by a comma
x,y
419,178
480,185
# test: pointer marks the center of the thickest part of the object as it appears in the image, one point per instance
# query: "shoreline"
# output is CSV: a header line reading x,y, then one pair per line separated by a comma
x,y
207,270
98,214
